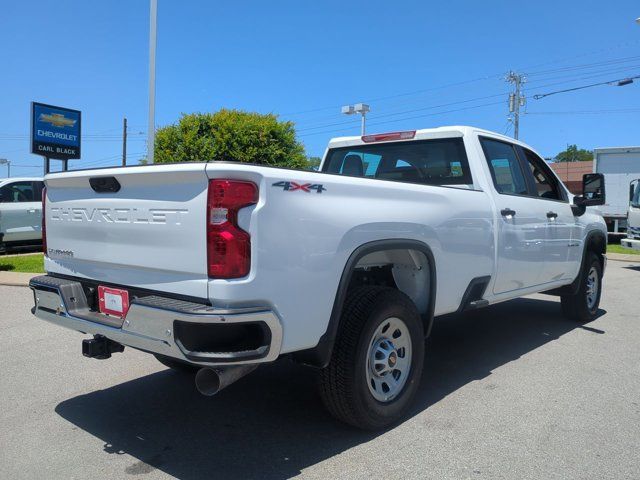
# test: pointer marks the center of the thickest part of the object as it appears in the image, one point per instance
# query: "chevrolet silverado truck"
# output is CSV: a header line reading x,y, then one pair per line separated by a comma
x,y
218,267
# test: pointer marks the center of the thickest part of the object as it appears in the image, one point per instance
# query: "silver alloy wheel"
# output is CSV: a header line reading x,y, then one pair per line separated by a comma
x,y
388,359
593,284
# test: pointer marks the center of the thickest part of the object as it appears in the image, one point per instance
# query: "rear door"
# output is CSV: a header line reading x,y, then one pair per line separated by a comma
x,y
521,221
20,207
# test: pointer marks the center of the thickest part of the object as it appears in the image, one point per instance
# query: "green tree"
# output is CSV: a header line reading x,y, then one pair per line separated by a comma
x,y
574,154
313,163
230,135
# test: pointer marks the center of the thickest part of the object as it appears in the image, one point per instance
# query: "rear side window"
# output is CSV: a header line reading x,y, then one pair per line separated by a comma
x,y
429,162
505,168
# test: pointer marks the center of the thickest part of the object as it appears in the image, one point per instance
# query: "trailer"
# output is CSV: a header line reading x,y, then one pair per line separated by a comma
x,y
620,166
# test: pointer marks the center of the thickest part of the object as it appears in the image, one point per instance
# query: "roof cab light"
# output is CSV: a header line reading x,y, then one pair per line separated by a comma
x,y
386,137
228,246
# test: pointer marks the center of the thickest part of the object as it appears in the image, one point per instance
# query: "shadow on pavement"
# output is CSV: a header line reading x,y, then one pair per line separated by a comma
x,y
271,424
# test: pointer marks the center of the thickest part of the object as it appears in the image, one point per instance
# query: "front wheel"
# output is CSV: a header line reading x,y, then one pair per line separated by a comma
x,y
377,359
583,305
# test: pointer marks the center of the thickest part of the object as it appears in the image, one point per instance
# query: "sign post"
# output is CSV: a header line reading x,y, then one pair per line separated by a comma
x,y
55,133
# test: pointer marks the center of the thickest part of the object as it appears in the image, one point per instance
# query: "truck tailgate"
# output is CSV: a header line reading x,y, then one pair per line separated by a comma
x,y
150,233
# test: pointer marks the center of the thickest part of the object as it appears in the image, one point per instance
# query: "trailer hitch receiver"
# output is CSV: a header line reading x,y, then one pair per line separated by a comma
x,y
100,347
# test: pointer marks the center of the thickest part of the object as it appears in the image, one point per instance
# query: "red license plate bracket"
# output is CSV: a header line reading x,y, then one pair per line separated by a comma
x,y
113,301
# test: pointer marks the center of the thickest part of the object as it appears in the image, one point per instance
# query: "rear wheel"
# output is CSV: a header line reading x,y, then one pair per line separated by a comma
x,y
583,305
176,365
377,359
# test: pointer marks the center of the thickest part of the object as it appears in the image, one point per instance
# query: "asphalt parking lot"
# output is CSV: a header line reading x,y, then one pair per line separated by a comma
x,y
512,391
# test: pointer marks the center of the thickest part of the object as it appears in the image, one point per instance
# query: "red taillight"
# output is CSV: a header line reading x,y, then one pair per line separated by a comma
x,y
44,221
386,137
228,246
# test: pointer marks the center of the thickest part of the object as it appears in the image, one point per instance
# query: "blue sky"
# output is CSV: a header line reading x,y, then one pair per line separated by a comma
x,y
419,64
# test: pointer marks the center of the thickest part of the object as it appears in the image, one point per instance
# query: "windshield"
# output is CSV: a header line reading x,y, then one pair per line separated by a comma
x,y
429,162
635,199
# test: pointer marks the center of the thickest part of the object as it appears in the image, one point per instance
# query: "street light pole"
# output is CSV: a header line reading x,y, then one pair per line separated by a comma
x,y
362,109
153,24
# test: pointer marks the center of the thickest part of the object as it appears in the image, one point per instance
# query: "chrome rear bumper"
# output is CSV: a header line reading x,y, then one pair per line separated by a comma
x,y
150,323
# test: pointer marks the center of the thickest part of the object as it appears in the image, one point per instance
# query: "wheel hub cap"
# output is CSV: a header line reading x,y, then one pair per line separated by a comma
x,y
388,359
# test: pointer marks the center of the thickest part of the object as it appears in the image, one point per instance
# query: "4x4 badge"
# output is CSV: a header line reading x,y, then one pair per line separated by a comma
x,y
303,187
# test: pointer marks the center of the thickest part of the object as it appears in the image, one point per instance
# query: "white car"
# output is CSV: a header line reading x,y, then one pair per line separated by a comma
x,y
218,267
20,211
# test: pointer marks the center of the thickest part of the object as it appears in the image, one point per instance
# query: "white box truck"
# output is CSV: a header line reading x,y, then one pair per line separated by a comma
x,y
620,166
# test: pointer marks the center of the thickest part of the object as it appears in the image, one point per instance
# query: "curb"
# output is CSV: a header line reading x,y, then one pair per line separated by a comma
x,y
16,279
621,257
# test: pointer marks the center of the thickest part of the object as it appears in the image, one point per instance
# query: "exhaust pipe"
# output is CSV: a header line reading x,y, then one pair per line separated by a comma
x,y
210,381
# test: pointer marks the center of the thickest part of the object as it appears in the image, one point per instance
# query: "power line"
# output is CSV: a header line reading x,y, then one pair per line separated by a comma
x,y
407,111
585,65
407,118
491,76
610,82
587,112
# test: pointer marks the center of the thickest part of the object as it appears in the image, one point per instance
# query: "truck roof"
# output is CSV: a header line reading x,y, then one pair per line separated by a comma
x,y
616,150
20,179
424,134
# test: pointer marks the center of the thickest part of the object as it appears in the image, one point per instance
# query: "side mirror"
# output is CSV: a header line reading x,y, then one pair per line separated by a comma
x,y
593,189
593,193
634,193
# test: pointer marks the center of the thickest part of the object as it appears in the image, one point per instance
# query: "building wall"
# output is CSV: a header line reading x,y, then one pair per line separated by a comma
x,y
571,174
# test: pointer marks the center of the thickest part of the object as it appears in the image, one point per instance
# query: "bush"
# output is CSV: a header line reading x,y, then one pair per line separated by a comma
x,y
230,135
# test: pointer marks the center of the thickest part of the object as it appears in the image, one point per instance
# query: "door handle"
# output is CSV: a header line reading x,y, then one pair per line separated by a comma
x,y
552,215
507,212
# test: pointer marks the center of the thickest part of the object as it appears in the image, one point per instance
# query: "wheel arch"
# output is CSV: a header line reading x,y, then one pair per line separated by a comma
x,y
320,355
595,241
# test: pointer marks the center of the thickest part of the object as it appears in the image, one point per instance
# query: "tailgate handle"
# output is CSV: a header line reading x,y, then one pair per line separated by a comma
x,y
104,184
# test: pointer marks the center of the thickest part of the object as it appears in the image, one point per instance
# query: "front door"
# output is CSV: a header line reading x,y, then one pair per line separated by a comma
x,y
562,252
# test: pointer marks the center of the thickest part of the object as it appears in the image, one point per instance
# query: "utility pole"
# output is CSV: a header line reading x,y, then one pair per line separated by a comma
x,y
124,142
4,161
516,100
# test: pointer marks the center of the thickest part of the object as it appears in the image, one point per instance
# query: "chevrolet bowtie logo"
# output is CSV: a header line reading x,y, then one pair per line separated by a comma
x,y
57,120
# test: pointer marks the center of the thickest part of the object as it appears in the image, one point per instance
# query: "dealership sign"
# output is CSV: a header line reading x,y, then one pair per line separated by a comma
x,y
55,131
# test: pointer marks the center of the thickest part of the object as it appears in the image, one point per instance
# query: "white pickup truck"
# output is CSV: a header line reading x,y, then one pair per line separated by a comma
x,y
217,267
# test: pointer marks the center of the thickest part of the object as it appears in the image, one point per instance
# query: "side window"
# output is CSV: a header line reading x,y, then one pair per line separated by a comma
x,y
17,192
546,184
505,168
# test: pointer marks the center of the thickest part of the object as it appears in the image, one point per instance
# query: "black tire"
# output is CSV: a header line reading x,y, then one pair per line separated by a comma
x,y
343,383
578,307
177,365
